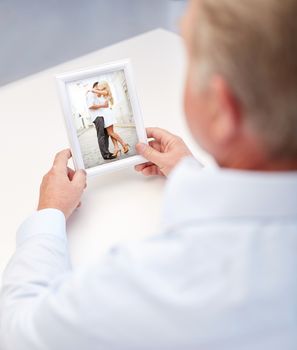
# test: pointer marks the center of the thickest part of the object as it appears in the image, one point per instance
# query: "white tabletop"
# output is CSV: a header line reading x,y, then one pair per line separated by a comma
x,y
117,207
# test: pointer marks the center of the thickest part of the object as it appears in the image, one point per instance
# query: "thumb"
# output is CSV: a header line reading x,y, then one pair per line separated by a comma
x,y
149,153
80,178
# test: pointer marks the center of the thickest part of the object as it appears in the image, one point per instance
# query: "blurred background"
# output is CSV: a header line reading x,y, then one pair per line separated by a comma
x,y
38,34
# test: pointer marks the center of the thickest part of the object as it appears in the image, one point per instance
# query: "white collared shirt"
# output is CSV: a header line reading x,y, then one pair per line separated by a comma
x,y
92,99
221,274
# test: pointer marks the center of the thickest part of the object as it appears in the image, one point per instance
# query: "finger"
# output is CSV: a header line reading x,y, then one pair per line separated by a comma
x,y
149,153
139,167
80,179
61,160
156,145
152,170
70,173
159,134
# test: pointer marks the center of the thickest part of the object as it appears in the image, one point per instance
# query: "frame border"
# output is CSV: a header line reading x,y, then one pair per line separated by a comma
x,y
64,78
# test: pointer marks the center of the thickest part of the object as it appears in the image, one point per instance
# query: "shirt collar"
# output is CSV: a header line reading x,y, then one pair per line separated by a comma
x,y
194,193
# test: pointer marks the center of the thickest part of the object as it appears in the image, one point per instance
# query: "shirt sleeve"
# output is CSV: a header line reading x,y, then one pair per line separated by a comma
x,y
126,297
46,305
41,256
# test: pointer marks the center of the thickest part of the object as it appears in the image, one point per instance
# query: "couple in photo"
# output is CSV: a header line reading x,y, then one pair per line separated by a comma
x,y
100,102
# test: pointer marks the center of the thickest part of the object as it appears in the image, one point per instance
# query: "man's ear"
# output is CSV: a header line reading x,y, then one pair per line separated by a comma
x,y
226,114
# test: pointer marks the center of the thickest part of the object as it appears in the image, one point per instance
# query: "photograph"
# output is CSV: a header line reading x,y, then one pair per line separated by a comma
x,y
103,117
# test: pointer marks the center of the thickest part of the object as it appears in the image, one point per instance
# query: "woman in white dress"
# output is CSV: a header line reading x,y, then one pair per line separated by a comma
x,y
104,93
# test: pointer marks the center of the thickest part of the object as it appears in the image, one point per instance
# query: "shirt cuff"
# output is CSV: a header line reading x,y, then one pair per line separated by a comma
x,y
187,161
43,222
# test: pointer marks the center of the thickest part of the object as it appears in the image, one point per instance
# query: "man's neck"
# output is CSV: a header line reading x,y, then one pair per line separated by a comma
x,y
250,153
261,165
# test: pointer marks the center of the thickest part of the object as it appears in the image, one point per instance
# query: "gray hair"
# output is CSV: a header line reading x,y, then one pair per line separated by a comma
x,y
253,45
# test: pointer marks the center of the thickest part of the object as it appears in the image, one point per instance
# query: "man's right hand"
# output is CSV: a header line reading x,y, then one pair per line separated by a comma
x,y
162,154
62,187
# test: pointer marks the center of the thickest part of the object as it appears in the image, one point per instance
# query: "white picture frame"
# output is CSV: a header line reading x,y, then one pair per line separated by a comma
x,y
65,82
